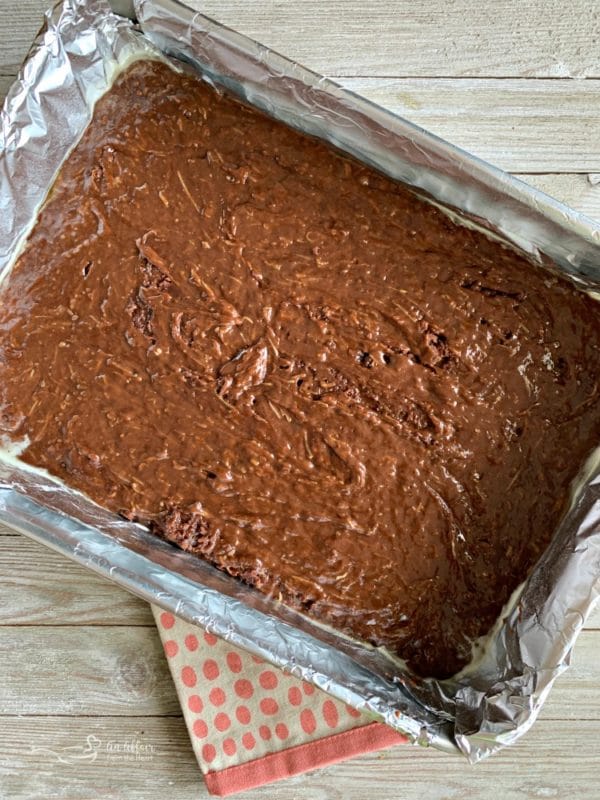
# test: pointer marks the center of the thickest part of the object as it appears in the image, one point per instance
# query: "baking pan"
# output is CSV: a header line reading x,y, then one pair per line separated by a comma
x,y
82,46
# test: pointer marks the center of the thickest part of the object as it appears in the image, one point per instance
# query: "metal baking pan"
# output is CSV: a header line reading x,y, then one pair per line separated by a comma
x,y
72,62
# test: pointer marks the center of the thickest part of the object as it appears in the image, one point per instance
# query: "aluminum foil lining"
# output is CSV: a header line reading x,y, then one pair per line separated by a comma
x,y
72,62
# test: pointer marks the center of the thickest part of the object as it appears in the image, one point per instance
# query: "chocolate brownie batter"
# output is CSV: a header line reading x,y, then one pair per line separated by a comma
x,y
288,365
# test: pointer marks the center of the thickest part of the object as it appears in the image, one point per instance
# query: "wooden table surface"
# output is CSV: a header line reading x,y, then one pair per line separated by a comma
x,y
518,83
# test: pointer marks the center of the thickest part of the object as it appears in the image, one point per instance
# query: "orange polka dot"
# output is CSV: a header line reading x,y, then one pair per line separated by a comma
x,y
210,638
217,696
294,695
167,620
195,704
308,721
234,662
268,679
210,668
171,648
353,712
281,731
268,705
243,688
248,741
229,747
264,732
330,713
222,722
208,753
200,728
188,676
257,660
243,715
308,688
191,642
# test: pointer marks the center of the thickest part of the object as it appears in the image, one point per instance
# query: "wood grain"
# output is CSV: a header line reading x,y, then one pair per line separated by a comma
x,y
518,125
417,38
549,762
593,621
581,192
84,669
52,590
5,82
68,670
20,20
38,759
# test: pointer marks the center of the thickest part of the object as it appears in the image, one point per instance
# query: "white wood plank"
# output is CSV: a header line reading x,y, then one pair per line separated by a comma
x,y
581,192
20,20
38,759
41,587
554,760
508,38
115,670
593,621
5,82
518,125
575,694
84,670
423,38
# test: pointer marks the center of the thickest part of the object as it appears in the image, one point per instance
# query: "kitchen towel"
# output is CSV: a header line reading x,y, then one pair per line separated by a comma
x,y
251,724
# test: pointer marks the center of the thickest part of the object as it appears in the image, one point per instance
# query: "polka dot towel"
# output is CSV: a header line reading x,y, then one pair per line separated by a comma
x,y
252,724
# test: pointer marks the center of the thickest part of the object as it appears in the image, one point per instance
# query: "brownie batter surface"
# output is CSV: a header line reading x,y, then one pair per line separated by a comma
x,y
285,363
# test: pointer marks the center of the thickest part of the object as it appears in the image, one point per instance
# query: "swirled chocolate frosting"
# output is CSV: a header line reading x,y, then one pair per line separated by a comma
x,y
287,364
